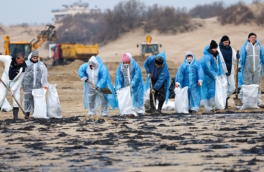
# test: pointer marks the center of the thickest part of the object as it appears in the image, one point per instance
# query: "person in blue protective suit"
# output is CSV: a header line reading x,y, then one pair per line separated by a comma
x,y
97,73
157,68
129,74
251,61
212,67
191,74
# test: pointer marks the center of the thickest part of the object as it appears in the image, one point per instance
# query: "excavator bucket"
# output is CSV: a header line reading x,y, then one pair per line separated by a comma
x,y
49,33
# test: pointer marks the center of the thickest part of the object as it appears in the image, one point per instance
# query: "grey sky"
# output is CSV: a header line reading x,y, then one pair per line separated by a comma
x,y
39,11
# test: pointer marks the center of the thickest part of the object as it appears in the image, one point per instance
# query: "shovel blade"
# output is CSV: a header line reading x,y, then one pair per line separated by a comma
x,y
106,91
237,102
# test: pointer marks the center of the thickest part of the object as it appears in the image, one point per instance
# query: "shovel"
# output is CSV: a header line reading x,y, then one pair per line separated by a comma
x,y
103,90
14,99
151,87
237,101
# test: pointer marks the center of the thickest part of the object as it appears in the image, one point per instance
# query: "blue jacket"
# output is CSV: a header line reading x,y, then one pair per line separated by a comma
x,y
164,76
189,75
212,70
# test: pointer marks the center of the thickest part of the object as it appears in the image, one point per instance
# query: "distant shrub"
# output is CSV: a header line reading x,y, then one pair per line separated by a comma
x,y
207,10
236,14
126,16
165,19
256,1
260,18
81,28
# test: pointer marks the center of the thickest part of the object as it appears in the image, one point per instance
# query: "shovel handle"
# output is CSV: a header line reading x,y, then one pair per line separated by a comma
x,y
13,97
237,72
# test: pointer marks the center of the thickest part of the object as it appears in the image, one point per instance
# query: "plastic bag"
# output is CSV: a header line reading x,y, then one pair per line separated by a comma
x,y
249,96
220,93
147,99
181,100
170,106
53,102
6,106
40,107
125,102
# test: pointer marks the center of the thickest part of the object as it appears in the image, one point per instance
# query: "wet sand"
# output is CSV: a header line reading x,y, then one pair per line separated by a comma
x,y
168,142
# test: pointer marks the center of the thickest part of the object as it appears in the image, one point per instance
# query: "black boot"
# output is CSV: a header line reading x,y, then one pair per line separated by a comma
x,y
161,102
151,109
226,107
15,113
27,115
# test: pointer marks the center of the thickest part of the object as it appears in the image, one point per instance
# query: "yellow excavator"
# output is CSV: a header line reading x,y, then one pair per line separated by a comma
x,y
49,34
149,48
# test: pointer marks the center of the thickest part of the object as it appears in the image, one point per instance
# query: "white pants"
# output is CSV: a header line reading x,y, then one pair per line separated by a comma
x,y
95,99
3,91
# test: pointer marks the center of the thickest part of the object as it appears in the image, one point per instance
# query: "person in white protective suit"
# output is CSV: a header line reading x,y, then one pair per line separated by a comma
x,y
13,75
35,78
251,63
97,73
228,57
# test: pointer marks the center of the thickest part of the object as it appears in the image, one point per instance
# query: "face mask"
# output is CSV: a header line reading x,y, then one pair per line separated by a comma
x,y
126,65
189,60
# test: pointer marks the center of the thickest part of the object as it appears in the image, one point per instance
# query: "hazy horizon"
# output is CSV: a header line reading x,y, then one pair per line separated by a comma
x,y
39,11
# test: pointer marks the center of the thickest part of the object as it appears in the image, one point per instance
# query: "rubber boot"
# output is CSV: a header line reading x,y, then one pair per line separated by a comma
x,y
15,113
160,106
226,107
27,115
151,109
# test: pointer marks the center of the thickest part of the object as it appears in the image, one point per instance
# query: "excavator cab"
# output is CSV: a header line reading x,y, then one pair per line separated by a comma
x,y
24,48
49,34
149,48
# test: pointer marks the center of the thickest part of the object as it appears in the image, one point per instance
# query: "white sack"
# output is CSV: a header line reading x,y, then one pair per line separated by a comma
x,y
220,93
170,106
249,96
53,102
147,99
181,100
40,107
125,102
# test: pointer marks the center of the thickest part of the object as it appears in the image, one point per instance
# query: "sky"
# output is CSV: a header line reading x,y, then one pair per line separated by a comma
x,y
39,11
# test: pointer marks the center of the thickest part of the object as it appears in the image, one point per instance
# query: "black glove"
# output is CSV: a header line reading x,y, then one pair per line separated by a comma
x,y
239,69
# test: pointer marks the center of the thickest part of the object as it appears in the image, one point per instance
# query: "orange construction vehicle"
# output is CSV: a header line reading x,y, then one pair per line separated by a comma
x,y
149,48
49,34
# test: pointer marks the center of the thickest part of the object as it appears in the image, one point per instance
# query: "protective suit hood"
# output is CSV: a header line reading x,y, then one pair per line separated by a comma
x,y
187,54
93,60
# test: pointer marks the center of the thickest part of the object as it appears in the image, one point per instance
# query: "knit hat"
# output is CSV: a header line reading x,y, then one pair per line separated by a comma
x,y
34,53
125,58
159,60
213,44
225,38
251,34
